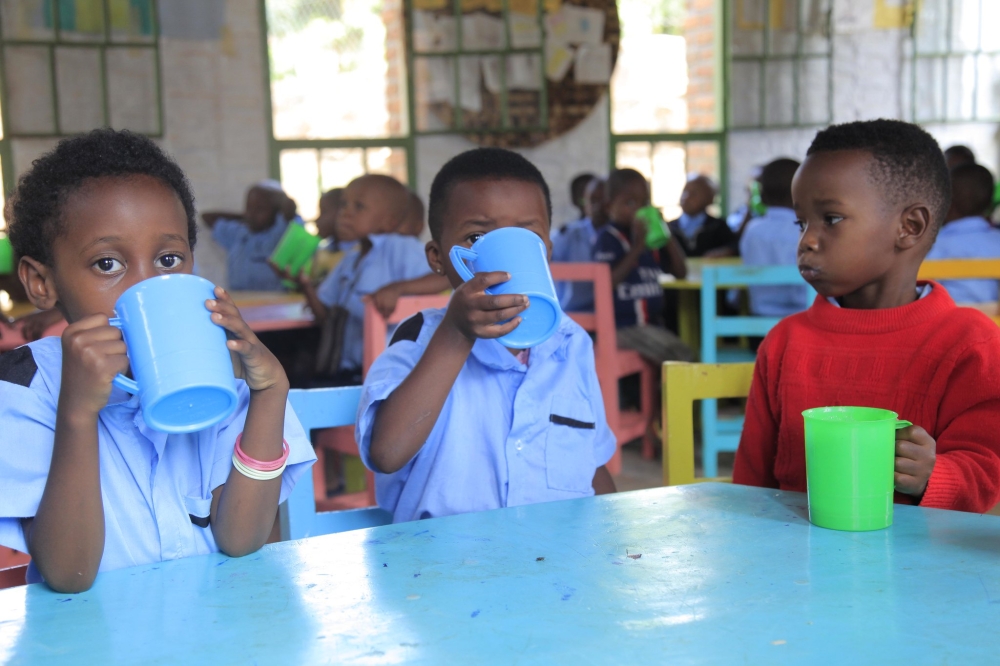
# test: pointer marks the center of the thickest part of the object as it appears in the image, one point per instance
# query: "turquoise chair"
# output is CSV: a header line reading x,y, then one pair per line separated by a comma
x,y
324,408
724,434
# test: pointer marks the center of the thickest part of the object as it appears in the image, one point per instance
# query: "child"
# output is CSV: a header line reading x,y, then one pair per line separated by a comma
x,y
374,206
450,420
575,243
772,239
413,222
87,486
635,271
330,250
869,199
958,155
967,233
577,188
700,234
250,238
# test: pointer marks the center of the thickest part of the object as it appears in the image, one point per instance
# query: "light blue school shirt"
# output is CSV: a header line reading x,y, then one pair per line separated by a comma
x,y
247,253
575,243
773,240
968,238
154,486
690,224
509,434
393,258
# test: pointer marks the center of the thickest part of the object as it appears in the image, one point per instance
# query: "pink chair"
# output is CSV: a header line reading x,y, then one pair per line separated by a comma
x,y
13,567
613,363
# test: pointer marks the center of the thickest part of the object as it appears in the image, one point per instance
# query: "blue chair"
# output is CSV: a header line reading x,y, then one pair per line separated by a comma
x,y
324,408
724,434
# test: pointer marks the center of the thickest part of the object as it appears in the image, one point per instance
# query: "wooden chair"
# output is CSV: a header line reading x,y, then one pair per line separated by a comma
x,y
724,434
324,408
13,567
683,383
964,269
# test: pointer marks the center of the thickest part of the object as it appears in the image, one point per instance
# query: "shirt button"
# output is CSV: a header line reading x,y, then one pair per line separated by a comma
x,y
519,445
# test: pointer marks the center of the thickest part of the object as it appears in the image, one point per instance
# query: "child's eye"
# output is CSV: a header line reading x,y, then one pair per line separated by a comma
x,y
832,219
108,265
801,224
472,238
169,261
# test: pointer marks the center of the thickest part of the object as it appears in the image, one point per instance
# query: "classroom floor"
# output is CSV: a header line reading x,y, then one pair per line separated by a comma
x,y
639,473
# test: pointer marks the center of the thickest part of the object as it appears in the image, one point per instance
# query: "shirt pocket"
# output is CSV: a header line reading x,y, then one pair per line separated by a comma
x,y
569,445
199,510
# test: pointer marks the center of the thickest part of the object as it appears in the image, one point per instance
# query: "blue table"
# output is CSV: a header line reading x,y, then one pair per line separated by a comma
x,y
709,573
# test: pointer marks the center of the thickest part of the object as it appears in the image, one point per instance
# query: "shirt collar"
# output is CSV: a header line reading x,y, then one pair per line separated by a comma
x,y
923,290
965,225
693,221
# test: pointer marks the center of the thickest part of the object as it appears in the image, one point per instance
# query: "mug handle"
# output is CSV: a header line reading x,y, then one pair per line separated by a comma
x,y
121,381
458,257
900,424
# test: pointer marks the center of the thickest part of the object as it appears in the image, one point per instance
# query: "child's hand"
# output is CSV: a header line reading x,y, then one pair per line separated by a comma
x,y
385,299
639,231
252,361
93,353
915,454
477,314
281,272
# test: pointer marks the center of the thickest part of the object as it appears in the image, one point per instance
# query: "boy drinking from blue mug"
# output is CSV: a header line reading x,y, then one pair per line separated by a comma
x,y
452,421
87,484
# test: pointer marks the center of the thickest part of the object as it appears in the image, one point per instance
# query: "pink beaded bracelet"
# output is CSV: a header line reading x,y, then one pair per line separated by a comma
x,y
260,465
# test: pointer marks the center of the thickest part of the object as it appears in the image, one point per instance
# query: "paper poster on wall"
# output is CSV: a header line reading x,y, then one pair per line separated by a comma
x,y
440,79
524,72
470,76
593,64
491,74
433,33
481,31
558,60
525,32
893,14
585,25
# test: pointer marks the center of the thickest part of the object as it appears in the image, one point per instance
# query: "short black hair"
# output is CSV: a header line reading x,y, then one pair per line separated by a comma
x,y
578,186
971,190
34,211
480,164
776,182
619,179
960,154
908,163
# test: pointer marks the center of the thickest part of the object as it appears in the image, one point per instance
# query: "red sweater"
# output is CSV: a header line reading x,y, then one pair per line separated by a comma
x,y
933,363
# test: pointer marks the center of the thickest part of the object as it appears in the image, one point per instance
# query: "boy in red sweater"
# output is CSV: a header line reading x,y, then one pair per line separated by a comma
x,y
870,198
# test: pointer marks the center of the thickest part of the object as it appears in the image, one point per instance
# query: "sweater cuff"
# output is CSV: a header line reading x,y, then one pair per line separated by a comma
x,y
946,489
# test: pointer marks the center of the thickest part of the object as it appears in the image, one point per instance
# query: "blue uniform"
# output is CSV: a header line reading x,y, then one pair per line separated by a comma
x,y
968,238
392,258
156,488
639,297
247,253
575,243
508,434
773,240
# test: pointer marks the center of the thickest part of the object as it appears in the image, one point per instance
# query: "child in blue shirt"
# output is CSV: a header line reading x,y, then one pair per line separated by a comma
x,y
87,486
373,208
967,234
250,238
452,421
575,243
635,271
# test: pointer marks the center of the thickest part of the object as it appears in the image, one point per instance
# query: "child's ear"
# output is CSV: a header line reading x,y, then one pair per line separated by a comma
x,y
915,224
38,283
435,257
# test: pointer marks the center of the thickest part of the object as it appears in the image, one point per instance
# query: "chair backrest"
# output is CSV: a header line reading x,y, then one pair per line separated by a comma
x,y
13,576
324,408
683,383
724,276
959,269
376,328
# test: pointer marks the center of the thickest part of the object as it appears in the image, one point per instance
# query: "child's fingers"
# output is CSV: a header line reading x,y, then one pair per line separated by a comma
x,y
496,330
912,451
228,317
906,483
489,317
242,347
484,280
909,467
489,302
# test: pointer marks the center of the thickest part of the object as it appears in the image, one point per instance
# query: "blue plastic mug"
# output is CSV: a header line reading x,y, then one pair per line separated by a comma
x,y
182,368
522,254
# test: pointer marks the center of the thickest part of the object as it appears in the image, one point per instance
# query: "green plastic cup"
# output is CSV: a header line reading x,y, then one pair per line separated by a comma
x,y
850,462
295,249
657,233
6,255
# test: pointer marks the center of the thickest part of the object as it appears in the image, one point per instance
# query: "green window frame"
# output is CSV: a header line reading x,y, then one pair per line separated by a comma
x,y
455,57
924,61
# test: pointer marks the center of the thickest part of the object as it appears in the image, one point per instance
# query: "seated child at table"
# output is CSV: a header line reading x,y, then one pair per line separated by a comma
x,y
87,486
635,271
330,250
413,222
959,155
967,234
373,207
452,421
869,198
250,237
700,234
772,240
575,243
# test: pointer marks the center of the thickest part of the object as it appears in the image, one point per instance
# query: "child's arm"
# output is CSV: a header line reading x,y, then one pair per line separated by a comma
x,y
405,419
603,483
317,306
66,537
755,455
385,299
243,509
627,264
210,218
678,260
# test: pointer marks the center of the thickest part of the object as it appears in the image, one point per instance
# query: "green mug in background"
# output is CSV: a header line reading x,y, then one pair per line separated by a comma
x,y
850,466
657,233
295,249
757,206
6,255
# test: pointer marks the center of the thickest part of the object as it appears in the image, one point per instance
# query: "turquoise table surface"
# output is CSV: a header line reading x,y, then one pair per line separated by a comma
x,y
710,573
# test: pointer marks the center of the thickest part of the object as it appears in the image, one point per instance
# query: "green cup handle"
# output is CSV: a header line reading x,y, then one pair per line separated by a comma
x,y
900,424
